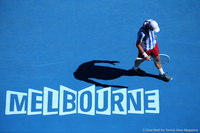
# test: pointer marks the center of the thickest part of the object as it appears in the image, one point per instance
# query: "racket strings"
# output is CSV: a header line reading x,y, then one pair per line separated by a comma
x,y
163,59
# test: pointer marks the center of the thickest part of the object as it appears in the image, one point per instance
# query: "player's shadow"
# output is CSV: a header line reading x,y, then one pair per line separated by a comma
x,y
89,71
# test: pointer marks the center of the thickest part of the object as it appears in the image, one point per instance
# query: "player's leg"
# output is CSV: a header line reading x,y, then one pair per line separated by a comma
x,y
158,66
137,64
136,67
155,54
138,61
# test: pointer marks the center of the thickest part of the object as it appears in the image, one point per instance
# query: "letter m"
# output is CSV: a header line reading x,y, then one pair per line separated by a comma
x,y
15,103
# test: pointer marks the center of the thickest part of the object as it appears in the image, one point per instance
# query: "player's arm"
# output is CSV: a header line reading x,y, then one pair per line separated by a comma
x,y
138,45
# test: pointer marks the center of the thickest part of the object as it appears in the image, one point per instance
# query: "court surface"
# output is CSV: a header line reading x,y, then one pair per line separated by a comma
x,y
43,43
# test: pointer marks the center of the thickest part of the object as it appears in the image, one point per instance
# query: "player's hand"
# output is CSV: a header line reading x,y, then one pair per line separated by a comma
x,y
148,58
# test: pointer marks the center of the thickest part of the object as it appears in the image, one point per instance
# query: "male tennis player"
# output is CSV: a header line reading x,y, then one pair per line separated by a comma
x,y
147,45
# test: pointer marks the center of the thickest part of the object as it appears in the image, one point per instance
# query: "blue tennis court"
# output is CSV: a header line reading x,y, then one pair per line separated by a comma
x,y
70,45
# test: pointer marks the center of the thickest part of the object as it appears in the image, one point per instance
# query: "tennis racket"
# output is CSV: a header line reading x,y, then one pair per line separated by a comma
x,y
164,59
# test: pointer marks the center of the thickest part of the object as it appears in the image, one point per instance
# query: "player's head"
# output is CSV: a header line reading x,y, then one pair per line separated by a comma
x,y
153,25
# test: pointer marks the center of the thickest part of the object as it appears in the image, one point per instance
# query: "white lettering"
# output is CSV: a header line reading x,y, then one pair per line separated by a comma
x,y
87,101
104,108
153,101
54,101
67,101
135,106
34,108
120,102
15,103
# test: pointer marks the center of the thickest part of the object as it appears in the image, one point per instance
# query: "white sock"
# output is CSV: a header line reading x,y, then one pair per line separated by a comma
x,y
161,71
135,68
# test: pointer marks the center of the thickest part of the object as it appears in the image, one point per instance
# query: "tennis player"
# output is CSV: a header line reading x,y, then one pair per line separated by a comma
x,y
147,46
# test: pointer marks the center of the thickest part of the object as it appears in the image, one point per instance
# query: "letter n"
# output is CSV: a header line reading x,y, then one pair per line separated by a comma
x,y
136,101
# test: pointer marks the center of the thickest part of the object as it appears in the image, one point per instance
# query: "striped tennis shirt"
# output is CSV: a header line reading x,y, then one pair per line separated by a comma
x,y
147,37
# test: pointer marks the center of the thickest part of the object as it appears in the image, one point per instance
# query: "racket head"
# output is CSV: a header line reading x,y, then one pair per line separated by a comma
x,y
164,59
